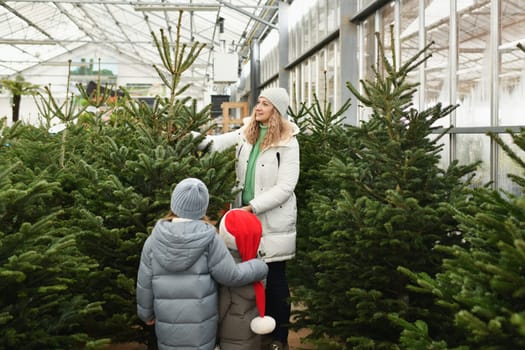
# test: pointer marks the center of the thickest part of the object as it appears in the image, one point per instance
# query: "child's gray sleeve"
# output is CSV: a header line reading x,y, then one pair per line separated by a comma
x,y
226,271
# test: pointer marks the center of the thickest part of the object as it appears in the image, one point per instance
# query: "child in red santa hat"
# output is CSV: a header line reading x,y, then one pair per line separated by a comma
x,y
241,309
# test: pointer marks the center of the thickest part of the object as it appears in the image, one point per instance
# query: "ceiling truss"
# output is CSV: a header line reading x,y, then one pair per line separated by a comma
x,y
125,27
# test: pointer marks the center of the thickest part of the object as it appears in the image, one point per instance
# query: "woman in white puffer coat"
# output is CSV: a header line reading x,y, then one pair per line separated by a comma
x,y
267,172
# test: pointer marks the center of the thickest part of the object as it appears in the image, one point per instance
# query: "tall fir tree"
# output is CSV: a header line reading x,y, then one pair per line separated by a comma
x,y
78,204
322,134
481,289
383,205
42,304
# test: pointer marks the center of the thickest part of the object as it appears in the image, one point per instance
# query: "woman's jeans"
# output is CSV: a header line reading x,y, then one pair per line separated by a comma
x,y
277,299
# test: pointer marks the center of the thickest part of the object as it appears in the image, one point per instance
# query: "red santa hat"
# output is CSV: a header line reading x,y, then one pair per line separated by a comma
x,y
242,230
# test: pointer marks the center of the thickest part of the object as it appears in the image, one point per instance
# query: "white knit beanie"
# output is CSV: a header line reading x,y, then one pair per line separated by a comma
x,y
279,99
190,199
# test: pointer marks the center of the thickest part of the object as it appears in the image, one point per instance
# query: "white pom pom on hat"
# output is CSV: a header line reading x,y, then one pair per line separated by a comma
x,y
243,230
262,325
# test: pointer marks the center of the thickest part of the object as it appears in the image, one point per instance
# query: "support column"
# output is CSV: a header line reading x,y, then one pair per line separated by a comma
x,y
284,75
255,72
348,39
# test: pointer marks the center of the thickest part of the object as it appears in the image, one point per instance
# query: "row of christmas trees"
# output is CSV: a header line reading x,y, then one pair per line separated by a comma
x,y
396,252
393,251
78,199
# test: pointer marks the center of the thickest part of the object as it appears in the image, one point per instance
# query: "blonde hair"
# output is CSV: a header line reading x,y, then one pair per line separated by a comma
x,y
170,215
278,129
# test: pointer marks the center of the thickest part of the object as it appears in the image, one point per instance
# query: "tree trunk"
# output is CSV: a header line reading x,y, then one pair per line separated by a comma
x,y
16,107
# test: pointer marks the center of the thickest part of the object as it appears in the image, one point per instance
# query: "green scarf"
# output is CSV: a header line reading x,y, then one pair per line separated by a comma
x,y
249,181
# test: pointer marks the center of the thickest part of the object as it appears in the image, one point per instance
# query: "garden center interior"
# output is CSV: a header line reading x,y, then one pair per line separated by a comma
x,y
310,47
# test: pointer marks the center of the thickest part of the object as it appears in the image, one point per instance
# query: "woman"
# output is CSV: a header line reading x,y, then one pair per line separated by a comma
x,y
267,172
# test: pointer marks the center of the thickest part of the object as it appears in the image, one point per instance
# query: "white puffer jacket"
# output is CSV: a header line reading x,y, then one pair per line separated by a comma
x,y
276,175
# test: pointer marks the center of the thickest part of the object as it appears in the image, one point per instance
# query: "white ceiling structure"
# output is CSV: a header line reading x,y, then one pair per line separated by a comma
x,y
38,31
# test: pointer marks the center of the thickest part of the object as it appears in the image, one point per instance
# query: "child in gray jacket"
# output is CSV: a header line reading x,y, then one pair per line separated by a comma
x,y
181,263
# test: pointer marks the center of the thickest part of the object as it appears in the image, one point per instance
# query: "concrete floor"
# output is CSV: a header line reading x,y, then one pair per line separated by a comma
x,y
294,340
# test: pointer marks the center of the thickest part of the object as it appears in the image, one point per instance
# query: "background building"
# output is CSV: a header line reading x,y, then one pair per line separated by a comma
x,y
307,46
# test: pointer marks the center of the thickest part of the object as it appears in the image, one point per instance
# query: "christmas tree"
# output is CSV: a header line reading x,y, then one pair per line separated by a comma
x,y
42,304
78,203
322,134
480,291
383,204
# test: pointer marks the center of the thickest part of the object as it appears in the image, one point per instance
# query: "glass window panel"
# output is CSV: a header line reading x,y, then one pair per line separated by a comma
x,y
473,75
331,71
509,166
306,33
299,35
409,29
333,15
294,85
364,3
337,4
313,77
387,15
321,18
292,44
369,48
321,93
305,81
444,155
512,63
437,14
472,148
337,73
314,24
366,49
291,85
409,40
310,77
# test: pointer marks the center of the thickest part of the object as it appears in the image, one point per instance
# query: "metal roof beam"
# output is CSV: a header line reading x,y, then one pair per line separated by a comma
x,y
137,3
196,35
23,18
23,41
190,7
98,2
7,67
73,20
106,40
246,13
117,23
100,30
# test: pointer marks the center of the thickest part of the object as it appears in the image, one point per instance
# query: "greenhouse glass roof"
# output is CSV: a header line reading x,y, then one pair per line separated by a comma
x,y
38,31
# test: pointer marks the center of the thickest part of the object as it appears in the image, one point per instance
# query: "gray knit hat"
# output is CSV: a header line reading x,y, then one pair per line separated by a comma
x,y
279,99
190,199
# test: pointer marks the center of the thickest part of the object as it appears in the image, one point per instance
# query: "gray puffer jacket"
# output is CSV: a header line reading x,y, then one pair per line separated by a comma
x,y
181,263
